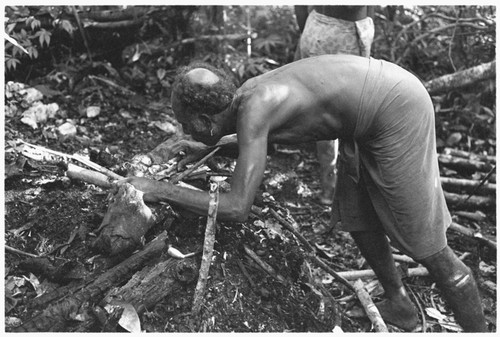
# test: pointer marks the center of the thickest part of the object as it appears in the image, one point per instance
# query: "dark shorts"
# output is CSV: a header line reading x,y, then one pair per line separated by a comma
x,y
388,175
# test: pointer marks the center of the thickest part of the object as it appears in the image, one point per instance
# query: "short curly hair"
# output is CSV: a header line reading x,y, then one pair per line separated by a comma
x,y
211,99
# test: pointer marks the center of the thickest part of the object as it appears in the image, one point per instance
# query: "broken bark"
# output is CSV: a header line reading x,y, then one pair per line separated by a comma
x,y
469,186
464,165
153,283
469,202
125,223
462,78
370,307
54,316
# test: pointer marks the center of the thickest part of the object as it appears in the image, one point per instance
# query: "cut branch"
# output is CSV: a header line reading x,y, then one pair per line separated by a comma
x,y
471,186
462,78
469,155
473,234
464,165
370,307
469,202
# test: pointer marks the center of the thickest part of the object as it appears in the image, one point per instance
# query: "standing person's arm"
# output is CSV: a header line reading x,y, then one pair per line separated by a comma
x,y
301,13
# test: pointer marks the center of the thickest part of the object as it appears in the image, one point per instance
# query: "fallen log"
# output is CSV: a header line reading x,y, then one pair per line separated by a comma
x,y
464,165
462,78
475,202
55,315
370,307
469,186
469,155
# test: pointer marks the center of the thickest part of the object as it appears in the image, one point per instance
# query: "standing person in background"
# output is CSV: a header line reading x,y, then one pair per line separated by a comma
x,y
333,30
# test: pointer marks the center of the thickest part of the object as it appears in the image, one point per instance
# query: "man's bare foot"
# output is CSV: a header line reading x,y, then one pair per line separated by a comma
x,y
402,314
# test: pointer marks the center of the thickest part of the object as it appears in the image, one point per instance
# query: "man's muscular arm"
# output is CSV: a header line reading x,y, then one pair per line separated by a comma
x,y
234,205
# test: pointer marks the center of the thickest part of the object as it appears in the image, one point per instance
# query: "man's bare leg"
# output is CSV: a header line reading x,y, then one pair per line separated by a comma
x,y
458,287
327,156
397,309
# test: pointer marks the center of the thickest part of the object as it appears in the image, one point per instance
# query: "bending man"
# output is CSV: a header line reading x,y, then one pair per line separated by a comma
x,y
388,180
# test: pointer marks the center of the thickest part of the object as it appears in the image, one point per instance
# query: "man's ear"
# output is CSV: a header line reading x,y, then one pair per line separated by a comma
x,y
207,121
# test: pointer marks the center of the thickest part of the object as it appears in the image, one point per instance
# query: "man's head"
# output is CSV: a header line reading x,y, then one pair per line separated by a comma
x,y
201,94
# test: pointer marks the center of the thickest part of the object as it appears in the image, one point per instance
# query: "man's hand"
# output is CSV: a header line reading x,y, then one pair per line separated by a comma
x,y
182,147
151,188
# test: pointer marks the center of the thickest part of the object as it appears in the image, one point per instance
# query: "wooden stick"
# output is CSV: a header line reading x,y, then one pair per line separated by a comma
x,y
370,307
20,252
194,167
208,249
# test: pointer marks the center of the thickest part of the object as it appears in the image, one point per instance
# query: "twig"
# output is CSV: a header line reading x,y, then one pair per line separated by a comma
x,y
424,322
82,32
370,307
312,251
264,265
112,84
89,176
208,249
20,252
194,167
245,273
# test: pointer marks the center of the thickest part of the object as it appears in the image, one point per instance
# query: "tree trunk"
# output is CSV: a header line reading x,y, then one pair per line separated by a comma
x,y
462,78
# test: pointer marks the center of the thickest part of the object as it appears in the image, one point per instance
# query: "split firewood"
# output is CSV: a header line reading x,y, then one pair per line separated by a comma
x,y
464,165
55,315
474,202
370,307
208,249
467,185
469,155
125,223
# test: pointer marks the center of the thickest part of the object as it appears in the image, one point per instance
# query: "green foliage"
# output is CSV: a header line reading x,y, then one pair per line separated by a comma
x,y
29,35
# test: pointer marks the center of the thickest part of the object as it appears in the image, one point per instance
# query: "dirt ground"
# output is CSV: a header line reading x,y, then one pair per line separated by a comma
x,y
54,218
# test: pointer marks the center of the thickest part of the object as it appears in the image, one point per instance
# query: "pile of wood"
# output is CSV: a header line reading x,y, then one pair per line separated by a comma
x,y
473,185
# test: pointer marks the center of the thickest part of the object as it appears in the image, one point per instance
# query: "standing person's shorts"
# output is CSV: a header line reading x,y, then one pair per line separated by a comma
x,y
326,35
388,175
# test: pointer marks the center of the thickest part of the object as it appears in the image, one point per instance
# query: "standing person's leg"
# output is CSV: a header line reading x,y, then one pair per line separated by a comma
x,y
327,156
397,309
457,284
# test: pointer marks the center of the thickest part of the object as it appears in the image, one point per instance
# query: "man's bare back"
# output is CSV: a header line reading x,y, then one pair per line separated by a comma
x,y
318,93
